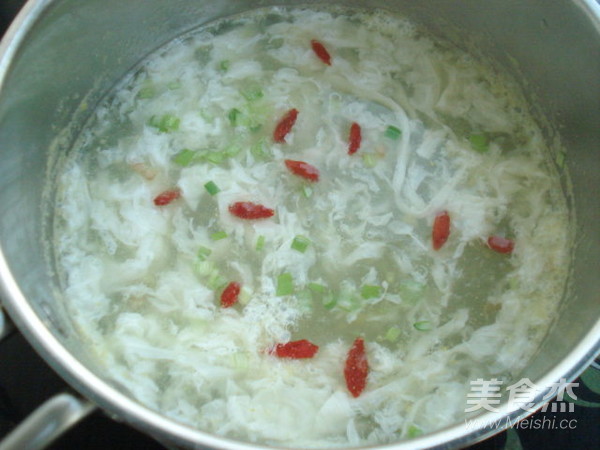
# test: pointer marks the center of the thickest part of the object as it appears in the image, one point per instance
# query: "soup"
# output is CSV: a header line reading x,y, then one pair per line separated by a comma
x,y
310,228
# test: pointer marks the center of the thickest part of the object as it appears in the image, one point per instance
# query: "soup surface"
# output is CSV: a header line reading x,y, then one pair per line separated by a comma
x,y
311,228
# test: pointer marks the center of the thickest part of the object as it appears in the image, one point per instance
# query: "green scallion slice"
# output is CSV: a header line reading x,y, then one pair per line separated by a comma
x,y
258,150
252,93
300,243
423,325
329,301
413,432
212,188
217,236
233,116
224,65
240,360
216,282
317,288
479,142
165,123
370,291
232,151
216,157
260,243
560,160
245,296
184,157
392,132
392,334
307,191
369,160
203,253
285,284
148,91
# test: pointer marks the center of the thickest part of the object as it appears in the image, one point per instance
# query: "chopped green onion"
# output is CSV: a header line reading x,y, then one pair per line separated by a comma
x,y
224,65
479,142
255,128
307,191
423,325
216,282
206,268
329,301
203,253
413,432
560,160
260,243
245,296
369,159
392,132
216,157
300,243
212,188
252,93
258,150
217,236
285,284
370,291
233,116
147,91
317,288
165,123
232,151
392,334
184,157
240,360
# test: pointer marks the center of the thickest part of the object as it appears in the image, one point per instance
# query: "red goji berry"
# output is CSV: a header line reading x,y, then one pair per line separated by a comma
x,y
285,125
357,368
303,169
355,138
249,210
321,51
167,197
296,349
441,230
230,294
501,244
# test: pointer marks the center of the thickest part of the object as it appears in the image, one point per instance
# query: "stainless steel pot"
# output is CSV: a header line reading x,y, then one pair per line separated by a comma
x,y
60,56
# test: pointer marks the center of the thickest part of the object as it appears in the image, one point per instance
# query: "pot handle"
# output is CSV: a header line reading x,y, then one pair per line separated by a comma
x,y
47,422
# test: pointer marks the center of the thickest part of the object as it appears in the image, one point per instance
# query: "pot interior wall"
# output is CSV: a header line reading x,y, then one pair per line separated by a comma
x,y
77,50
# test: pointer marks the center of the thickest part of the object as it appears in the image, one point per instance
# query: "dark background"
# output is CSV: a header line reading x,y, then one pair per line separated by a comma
x,y
26,381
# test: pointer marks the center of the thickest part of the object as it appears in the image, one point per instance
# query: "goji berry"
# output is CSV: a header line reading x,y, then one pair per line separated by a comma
x,y
249,210
357,368
167,197
501,244
355,138
296,349
303,169
321,51
230,294
285,125
441,230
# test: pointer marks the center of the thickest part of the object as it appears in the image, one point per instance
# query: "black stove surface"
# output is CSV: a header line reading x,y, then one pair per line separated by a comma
x,y
26,381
